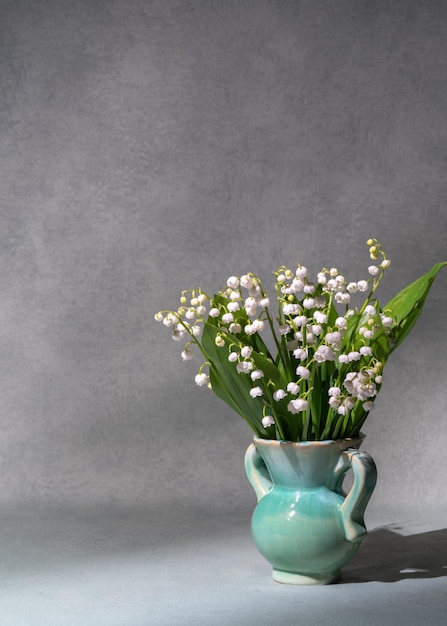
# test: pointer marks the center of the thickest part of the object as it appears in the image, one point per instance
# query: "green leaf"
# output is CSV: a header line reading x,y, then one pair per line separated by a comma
x,y
315,398
332,314
381,346
271,372
220,390
348,339
406,306
259,345
228,385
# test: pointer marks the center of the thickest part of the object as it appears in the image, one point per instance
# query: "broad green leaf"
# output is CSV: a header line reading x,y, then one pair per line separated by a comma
x,y
332,314
381,346
220,390
353,323
231,387
271,372
259,345
235,403
285,362
406,306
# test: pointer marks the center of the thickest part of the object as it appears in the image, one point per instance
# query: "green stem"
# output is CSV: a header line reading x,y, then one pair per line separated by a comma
x,y
269,402
272,329
375,284
329,422
281,346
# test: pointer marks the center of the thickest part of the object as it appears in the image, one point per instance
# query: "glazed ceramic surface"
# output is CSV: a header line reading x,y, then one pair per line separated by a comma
x,y
304,524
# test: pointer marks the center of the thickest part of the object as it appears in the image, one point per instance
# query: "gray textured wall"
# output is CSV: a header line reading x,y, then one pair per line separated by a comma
x,y
150,146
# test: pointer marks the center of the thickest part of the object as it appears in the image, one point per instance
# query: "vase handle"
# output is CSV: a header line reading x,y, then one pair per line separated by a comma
x,y
257,472
354,505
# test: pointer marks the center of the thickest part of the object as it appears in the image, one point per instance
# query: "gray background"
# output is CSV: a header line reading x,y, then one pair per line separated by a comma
x,y
152,146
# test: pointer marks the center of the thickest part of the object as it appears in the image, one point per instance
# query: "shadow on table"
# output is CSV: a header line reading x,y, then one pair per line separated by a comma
x,y
387,556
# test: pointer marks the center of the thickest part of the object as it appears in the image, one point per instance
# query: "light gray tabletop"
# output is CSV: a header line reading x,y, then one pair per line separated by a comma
x,y
112,566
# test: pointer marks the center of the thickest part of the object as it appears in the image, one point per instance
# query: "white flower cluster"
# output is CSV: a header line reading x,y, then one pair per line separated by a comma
x,y
252,304
311,334
187,323
315,339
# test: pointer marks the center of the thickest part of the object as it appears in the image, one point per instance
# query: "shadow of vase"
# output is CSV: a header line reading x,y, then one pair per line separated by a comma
x,y
387,556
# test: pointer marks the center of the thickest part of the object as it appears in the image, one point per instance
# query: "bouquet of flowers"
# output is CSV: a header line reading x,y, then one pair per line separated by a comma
x,y
330,340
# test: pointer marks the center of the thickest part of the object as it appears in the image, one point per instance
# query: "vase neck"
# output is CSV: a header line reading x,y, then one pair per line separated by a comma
x,y
303,465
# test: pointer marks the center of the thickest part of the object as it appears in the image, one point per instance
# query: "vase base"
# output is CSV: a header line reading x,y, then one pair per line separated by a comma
x,y
292,578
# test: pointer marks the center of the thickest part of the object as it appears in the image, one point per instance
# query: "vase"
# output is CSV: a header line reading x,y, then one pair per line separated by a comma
x,y
304,524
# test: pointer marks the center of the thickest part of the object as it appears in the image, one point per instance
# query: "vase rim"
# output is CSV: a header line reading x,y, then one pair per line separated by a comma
x,y
318,443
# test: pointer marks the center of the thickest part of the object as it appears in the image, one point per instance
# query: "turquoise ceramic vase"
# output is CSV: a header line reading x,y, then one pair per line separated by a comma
x,y
304,524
